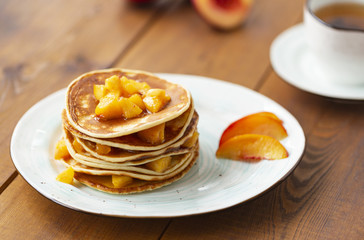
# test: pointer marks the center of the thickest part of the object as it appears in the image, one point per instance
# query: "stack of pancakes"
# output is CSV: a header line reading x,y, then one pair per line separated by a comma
x,y
146,165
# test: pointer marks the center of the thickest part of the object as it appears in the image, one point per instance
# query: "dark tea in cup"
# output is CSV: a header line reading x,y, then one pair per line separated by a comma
x,y
343,15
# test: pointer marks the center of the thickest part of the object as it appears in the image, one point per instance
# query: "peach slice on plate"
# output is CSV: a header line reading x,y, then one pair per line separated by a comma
x,y
252,147
266,114
264,123
223,14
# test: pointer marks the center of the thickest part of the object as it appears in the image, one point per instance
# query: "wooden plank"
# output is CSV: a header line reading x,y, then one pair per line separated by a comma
x,y
329,183
47,44
190,46
321,199
27,214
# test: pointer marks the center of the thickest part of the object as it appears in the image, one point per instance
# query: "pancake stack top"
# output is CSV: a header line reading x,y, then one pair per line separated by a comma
x,y
128,131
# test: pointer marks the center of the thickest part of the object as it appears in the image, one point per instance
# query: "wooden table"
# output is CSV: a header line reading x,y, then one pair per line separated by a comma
x,y
45,44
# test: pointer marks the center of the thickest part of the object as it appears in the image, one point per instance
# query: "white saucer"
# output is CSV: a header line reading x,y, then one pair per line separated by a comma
x,y
292,61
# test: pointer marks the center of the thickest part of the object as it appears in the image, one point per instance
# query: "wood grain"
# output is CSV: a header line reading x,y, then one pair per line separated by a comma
x,y
45,44
25,213
49,46
192,47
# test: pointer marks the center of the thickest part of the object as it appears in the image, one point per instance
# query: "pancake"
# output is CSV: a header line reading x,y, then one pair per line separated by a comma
x,y
89,160
145,138
121,155
178,163
81,104
135,165
142,173
102,183
132,141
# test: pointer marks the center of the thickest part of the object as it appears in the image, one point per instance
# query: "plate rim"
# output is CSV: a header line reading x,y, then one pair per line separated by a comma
x,y
165,75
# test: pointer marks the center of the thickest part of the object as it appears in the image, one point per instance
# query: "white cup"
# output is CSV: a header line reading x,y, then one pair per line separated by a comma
x,y
339,53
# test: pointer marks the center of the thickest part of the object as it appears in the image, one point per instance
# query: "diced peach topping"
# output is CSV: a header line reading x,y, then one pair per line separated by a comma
x,y
100,91
138,100
191,141
121,181
111,181
66,176
102,149
77,146
109,108
127,98
153,135
61,151
131,87
113,84
101,179
156,99
160,165
129,109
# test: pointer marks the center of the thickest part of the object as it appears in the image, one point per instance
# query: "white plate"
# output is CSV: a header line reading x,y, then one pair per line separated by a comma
x,y
210,185
295,64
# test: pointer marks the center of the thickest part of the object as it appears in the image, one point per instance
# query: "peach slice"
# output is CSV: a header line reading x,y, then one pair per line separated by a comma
x,y
263,123
223,14
266,114
252,147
